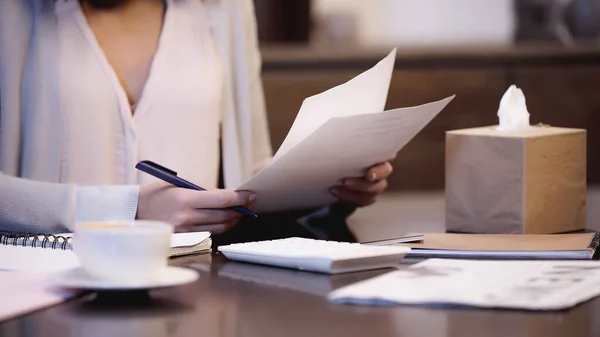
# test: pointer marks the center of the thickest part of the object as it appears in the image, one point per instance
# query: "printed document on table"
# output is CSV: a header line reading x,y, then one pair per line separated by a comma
x,y
524,285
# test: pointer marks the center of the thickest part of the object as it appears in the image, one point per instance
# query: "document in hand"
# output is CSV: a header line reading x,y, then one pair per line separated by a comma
x,y
525,285
338,133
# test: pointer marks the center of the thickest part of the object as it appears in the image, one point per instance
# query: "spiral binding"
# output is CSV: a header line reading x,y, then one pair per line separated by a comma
x,y
32,239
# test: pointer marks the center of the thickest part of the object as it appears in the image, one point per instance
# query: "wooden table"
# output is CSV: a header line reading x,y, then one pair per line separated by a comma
x,y
234,299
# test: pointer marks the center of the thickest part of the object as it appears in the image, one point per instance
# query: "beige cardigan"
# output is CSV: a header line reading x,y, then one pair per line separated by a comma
x,y
31,199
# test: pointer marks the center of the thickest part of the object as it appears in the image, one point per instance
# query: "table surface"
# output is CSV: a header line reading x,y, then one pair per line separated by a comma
x,y
236,299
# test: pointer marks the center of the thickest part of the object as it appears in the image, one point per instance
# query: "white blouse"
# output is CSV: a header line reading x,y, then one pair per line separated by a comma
x,y
48,138
176,122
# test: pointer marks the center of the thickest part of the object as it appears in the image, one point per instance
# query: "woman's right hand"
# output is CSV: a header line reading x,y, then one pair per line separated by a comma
x,y
189,210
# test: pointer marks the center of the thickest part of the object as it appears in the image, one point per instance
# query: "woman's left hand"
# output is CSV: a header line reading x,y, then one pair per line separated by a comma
x,y
365,190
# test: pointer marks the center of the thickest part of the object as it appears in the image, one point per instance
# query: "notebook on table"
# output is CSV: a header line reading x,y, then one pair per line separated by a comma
x,y
43,253
181,243
571,246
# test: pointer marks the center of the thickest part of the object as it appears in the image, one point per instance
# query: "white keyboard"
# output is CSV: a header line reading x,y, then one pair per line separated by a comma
x,y
328,257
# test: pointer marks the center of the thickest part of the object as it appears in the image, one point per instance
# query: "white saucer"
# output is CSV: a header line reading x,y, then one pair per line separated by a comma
x,y
78,279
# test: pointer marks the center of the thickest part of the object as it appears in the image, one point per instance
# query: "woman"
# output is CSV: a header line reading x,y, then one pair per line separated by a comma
x,y
90,87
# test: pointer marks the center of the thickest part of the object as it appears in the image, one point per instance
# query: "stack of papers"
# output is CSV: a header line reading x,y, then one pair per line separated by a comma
x,y
336,134
524,285
569,246
190,243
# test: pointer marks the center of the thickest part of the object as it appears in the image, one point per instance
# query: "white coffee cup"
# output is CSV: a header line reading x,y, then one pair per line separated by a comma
x,y
123,251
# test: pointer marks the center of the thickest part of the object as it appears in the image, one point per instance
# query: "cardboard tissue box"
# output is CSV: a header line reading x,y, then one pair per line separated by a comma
x,y
515,178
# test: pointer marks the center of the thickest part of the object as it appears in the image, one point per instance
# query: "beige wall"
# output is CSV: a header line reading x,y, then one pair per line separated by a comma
x,y
423,22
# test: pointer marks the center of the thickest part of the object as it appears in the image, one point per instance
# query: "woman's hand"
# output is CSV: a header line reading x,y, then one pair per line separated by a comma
x,y
189,210
365,190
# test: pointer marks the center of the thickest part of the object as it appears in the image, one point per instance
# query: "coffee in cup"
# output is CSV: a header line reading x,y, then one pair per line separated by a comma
x,y
123,251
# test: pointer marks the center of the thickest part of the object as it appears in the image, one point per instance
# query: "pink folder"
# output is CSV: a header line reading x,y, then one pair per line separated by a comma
x,y
23,293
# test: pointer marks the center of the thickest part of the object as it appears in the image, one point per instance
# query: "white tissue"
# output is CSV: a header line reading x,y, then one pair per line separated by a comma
x,y
513,114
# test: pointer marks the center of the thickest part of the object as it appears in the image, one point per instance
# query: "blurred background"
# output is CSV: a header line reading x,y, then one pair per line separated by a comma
x,y
472,48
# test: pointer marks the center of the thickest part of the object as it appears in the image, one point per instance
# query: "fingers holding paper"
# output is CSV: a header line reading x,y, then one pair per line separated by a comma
x,y
190,210
380,171
365,190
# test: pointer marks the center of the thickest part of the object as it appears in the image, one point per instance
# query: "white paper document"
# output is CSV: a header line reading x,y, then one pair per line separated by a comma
x,y
36,260
24,293
188,239
338,133
365,93
524,285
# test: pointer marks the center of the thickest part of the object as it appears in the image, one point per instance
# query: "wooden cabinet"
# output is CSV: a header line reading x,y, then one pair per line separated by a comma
x,y
567,97
420,165
561,90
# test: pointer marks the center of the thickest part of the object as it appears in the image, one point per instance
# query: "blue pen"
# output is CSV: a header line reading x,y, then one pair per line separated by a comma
x,y
171,177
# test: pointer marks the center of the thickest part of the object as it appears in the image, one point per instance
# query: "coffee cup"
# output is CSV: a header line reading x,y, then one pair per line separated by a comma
x,y
123,251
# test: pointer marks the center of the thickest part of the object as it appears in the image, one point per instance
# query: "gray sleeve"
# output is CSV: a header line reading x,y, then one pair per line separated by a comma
x,y
41,207
33,206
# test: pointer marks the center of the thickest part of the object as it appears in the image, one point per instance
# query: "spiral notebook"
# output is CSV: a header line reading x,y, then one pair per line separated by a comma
x,y
46,253
181,243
